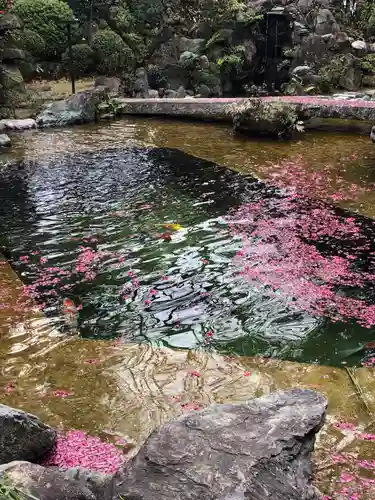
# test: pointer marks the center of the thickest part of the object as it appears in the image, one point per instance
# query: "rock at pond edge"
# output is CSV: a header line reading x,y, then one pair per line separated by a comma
x,y
23,436
255,451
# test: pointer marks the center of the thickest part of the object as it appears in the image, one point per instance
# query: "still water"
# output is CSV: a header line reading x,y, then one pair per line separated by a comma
x,y
155,243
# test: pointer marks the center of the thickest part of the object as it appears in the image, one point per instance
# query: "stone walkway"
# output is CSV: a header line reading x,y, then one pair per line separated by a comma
x,y
220,109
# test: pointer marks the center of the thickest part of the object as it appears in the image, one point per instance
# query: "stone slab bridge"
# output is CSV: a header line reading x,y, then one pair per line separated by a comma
x,y
322,112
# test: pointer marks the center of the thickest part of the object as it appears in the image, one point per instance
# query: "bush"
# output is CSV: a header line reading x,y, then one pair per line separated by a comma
x,y
82,59
32,42
48,19
111,52
121,18
367,18
367,64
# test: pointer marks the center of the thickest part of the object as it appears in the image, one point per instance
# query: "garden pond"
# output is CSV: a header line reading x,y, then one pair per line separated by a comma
x,y
140,234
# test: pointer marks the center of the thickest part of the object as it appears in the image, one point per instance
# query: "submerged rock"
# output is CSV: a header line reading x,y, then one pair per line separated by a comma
x,y
78,108
257,450
23,436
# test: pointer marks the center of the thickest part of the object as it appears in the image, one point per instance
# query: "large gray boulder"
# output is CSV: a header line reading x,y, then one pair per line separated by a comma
x,y
351,77
372,134
325,22
23,436
78,108
258,450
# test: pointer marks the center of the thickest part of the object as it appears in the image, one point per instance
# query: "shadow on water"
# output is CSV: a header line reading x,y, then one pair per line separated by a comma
x,y
157,246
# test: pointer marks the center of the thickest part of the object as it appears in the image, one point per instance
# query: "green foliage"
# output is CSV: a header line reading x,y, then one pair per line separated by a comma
x,y
234,61
48,19
331,74
82,59
188,60
147,11
121,19
367,17
230,62
367,64
219,37
112,54
156,77
31,42
9,493
239,11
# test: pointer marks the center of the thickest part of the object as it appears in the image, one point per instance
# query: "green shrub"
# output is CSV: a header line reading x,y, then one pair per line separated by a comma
x,y
32,42
367,17
367,64
48,19
82,59
111,52
331,74
121,18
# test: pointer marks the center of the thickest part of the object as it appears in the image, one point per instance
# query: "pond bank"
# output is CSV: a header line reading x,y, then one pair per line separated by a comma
x,y
322,113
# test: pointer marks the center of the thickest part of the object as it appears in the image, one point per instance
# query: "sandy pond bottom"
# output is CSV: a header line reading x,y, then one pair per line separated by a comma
x,y
117,389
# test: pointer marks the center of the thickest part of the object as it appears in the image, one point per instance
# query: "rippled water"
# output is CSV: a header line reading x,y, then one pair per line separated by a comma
x,y
92,226
91,182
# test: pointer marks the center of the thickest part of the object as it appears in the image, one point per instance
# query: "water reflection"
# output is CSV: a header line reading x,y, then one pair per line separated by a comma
x,y
139,240
127,389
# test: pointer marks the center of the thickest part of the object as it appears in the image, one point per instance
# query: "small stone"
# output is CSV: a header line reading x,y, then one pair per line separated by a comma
x,y
5,142
153,94
360,46
181,93
204,63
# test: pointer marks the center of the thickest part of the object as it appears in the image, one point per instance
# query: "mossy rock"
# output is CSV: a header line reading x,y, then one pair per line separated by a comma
x,y
12,54
11,78
194,45
271,118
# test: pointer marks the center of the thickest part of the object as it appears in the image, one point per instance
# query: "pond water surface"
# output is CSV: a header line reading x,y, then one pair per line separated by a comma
x,y
158,245
154,245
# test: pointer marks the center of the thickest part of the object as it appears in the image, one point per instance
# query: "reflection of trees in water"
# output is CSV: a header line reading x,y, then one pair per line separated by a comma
x,y
101,194
17,209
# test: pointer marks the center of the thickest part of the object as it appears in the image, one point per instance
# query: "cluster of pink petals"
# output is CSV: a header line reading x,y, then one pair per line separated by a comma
x,y
76,449
295,173
281,254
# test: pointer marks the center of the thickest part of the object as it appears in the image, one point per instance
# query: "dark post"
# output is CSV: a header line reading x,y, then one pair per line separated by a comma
x,y
71,69
90,22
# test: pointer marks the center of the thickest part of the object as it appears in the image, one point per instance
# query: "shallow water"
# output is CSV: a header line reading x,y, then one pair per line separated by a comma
x,y
96,216
53,194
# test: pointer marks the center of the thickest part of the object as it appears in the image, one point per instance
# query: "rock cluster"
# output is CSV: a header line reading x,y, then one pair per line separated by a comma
x,y
261,449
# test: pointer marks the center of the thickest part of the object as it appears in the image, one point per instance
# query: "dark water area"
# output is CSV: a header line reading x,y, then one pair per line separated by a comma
x,y
154,245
